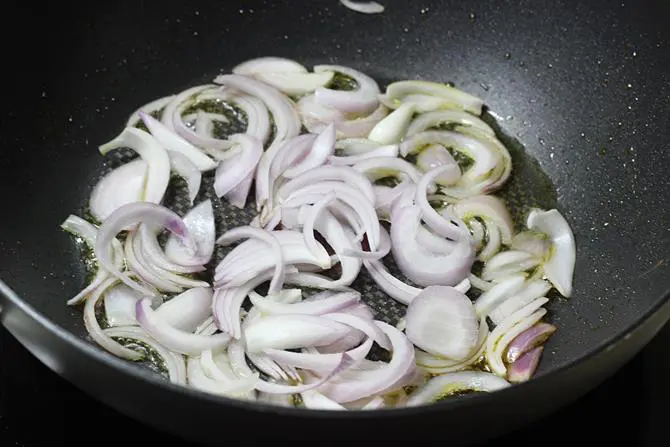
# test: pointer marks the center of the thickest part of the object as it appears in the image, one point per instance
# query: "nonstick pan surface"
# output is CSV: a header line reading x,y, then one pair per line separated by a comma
x,y
583,86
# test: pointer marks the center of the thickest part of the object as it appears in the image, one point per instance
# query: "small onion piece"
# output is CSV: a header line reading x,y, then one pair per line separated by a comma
x,y
508,263
238,171
332,302
428,120
560,266
528,340
175,143
361,100
392,128
119,187
323,148
120,301
199,222
532,290
158,162
450,97
185,168
175,339
490,209
363,7
444,385
435,156
443,322
187,310
295,83
268,64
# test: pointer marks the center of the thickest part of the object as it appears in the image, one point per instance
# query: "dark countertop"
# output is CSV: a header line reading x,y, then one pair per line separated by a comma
x,y
36,405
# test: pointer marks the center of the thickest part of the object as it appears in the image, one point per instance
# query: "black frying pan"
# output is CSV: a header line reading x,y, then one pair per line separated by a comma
x,y
587,87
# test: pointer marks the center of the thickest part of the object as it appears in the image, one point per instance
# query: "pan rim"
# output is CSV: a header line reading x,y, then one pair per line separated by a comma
x,y
124,367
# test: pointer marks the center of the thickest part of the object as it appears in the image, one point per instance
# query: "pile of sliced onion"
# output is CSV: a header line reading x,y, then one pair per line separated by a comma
x,y
323,201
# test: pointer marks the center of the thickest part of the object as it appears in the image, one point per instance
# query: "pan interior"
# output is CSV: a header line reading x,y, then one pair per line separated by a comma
x,y
584,89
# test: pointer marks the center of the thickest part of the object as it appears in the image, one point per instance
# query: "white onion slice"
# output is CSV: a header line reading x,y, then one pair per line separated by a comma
x,y
185,168
531,291
420,265
390,150
428,120
95,331
295,83
392,128
451,97
140,266
443,322
120,301
314,400
490,299
268,64
560,266
187,310
323,148
233,172
154,254
444,385
175,339
119,187
508,329
158,162
175,143
361,100
343,174
199,380
508,263
436,155
131,214
363,7
200,224
292,332
489,208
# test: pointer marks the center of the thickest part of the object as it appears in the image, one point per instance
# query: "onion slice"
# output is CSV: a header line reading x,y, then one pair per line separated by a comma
x,y
199,222
119,187
560,266
450,97
158,162
444,385
363,7
443,322
361,100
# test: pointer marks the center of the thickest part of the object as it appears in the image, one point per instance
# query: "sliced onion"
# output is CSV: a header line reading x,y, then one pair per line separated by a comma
x,y
397,373
485,158
356,146
320,363
158,162
323,148
435,156
287,125
269,64
395,288
130,214
269,238
524,367
187,310
199,380
232,172
120,302
332,302
492,298
537,244
491,209
560,266
363,7
96,332
175,339
531,291
174,143
528,340
440,365
329,173
314,400
119,187
508,329
315,117
390,150
420,265
139,265
292,332
199,222
154,254
361,100
451,97
437,118
183,166
295,83
443,322
444,385
380,167
508,263
392,128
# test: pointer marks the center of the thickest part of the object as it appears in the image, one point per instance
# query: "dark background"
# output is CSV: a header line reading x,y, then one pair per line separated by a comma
x,y
38,408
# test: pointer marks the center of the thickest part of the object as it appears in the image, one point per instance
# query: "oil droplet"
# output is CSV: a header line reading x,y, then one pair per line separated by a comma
x,y
472,16
508,56
424,10
550,66
629,86
485,87
541,140
634,53
603,151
